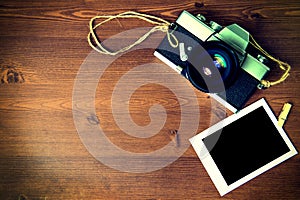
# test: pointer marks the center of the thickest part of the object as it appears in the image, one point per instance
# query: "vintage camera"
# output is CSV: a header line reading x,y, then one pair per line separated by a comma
x,y
215,59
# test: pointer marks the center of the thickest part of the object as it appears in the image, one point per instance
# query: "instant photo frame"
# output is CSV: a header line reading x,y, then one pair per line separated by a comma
x,y
242,146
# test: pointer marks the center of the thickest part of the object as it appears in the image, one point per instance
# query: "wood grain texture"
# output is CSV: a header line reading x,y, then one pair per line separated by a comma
x,y
41,154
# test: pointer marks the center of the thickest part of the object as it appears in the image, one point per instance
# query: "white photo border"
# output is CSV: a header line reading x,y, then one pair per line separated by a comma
x,y
211,167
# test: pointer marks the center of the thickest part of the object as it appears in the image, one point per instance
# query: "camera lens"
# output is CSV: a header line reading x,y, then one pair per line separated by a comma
x,y
213,67
219,61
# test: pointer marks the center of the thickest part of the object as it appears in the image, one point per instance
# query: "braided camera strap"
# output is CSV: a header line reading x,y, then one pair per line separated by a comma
x,y
160,25
163,25
282,65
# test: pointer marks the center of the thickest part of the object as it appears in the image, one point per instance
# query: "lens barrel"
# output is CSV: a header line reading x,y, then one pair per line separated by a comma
x,y
213,67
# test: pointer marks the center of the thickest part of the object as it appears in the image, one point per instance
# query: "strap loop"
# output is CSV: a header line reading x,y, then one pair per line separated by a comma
x,y
160,25
282,65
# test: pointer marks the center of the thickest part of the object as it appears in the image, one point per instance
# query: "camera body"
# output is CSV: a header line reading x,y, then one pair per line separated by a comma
x,y
214,59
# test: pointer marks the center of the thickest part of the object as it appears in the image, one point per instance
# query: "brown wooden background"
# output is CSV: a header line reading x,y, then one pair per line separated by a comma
x,y
41,155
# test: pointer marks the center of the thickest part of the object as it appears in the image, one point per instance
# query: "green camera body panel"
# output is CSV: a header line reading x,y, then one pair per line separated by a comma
x,y
233,35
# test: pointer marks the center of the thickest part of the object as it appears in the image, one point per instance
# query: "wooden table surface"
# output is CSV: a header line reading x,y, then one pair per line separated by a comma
x,y
43,44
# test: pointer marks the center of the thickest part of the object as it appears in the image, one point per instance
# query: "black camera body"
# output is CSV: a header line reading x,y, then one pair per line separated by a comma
x,y
214,59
